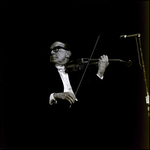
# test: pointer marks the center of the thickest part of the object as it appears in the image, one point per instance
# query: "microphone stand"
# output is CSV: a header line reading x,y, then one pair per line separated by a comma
x,y
142,66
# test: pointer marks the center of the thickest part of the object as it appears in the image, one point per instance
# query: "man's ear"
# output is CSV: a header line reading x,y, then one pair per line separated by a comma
x,y
68,54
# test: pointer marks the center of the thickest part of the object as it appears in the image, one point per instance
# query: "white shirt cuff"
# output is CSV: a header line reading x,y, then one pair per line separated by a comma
x,y
52,99
100,77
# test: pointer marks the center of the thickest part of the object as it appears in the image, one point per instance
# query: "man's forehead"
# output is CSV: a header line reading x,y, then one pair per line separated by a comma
x,y
57,44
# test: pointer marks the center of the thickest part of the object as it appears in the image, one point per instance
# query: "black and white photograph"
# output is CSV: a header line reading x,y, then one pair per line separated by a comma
x,y
74,74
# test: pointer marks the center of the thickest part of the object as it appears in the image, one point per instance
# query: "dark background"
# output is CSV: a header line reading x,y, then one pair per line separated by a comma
x,y
28,29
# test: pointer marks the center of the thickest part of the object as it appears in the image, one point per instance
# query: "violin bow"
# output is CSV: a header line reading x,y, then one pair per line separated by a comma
x,y
87,65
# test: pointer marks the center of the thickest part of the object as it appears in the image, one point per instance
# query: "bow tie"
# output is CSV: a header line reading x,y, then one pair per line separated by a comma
x,y
61,68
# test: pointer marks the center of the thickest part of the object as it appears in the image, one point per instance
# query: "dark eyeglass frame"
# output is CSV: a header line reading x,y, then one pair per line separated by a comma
x,y
56,49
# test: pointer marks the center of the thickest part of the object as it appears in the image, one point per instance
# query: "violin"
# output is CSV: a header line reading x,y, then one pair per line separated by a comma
x,y
80,64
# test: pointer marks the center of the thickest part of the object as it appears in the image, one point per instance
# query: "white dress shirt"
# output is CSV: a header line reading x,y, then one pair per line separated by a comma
x,y
66,83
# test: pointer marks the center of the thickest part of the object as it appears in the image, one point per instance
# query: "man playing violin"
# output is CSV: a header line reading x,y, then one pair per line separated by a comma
x,y
87,107
60,54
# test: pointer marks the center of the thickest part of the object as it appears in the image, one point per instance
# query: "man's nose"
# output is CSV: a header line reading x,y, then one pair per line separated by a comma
x,y
52,52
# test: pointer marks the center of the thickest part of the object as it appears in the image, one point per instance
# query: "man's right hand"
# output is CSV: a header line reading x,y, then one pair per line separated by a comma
x,y
70,97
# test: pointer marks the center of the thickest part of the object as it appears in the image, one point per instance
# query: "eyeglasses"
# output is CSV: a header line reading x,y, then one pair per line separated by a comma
x,y
56,49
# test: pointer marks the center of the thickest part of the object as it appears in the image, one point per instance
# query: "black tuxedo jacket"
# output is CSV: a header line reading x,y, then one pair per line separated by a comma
x,y
92,118
91,88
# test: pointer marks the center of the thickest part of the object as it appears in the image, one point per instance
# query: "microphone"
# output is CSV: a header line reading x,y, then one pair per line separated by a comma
x,y
132,35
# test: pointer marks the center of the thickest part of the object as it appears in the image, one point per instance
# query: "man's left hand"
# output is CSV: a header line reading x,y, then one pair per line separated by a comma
x,y
102,65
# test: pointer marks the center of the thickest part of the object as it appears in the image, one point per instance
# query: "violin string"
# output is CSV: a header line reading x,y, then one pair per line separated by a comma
x,y
87,65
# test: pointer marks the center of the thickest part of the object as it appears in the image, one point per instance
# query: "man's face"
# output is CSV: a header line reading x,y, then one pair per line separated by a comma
x,y
58,53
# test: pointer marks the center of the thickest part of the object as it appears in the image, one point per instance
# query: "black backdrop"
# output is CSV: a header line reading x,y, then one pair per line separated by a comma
x,y
28,29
